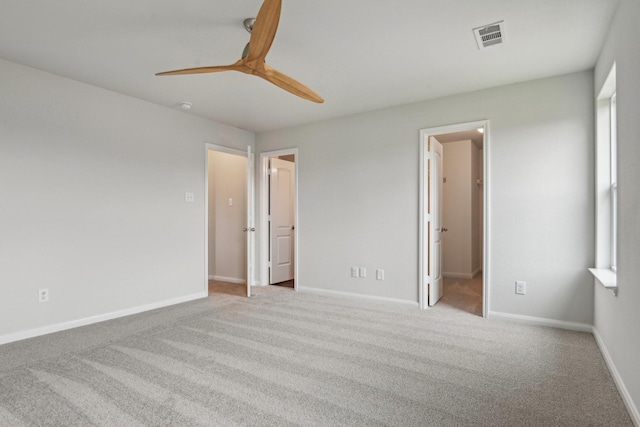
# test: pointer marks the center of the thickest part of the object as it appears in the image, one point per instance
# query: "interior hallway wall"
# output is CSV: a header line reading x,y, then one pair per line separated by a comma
x,y
460,213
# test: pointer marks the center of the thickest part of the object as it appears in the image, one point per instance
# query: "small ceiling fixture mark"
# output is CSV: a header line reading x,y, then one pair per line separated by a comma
x,y
489,35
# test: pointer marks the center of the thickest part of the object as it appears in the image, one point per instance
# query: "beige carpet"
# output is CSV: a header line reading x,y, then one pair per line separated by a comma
x,y
284,358
463,294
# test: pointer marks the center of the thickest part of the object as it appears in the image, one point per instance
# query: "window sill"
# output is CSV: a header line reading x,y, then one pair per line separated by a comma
x,y
607,278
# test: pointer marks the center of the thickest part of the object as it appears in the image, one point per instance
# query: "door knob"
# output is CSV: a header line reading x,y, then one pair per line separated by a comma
x,y
244,230
444,229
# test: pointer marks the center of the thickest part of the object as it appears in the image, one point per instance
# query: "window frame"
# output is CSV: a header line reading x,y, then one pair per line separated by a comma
x,y
606,185
613,168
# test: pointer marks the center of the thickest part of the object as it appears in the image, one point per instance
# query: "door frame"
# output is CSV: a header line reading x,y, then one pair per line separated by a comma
x,y
423,250
264,215
222,149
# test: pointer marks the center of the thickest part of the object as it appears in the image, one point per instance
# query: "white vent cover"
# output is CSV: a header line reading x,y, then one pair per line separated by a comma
x,y
489,35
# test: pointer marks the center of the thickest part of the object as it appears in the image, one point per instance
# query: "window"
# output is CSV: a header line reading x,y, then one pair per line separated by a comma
x,y
606,184
613,166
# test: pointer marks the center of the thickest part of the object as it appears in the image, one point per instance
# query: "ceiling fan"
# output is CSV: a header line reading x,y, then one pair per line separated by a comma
x,y
263,31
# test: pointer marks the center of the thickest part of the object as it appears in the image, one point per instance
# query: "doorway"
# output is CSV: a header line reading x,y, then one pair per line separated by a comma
x,y
279,218
228,220
454,272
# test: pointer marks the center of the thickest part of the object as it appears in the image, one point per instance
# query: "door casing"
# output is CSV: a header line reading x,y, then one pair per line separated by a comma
x,y
423,251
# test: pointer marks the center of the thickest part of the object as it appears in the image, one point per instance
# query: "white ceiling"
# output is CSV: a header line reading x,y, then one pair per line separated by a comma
x,y
360,55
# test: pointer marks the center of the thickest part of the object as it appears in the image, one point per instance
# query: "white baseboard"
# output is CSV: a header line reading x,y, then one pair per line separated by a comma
x,y
466,276
228,279
356,296
541,321
622,388
36,332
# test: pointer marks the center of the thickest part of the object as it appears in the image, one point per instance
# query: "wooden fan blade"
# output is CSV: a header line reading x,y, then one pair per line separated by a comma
x,y
238,66
264,30
287,83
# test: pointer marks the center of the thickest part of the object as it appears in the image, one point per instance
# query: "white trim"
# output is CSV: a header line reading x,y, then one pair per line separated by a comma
x,y
617,379
541,321
264,217
351,295
222,149
603,172
422,250
466,276
228,279
606,277
49,329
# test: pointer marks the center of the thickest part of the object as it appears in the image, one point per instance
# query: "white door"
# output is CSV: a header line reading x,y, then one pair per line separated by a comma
x,y
282,193
250,228
435,215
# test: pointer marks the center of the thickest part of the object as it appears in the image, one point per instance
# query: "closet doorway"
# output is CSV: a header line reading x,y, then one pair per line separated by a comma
x,y
229,220
454,272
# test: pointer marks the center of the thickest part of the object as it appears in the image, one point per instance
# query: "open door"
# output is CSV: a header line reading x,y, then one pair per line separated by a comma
x,y
434,272
282,194
250,228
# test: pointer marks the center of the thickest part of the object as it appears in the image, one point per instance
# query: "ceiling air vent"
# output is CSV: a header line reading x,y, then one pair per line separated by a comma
x,y
489,35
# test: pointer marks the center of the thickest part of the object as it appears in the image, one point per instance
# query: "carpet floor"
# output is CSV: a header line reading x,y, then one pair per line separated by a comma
x,y
282,358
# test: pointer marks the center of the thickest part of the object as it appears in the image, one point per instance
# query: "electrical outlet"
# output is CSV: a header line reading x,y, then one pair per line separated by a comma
x,y
354,272
43,295
379,274
363,272
189,197
521,287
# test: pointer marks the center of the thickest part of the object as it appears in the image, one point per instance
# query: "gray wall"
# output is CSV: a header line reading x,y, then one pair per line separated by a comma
x,y
92,201
617,319
358,195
